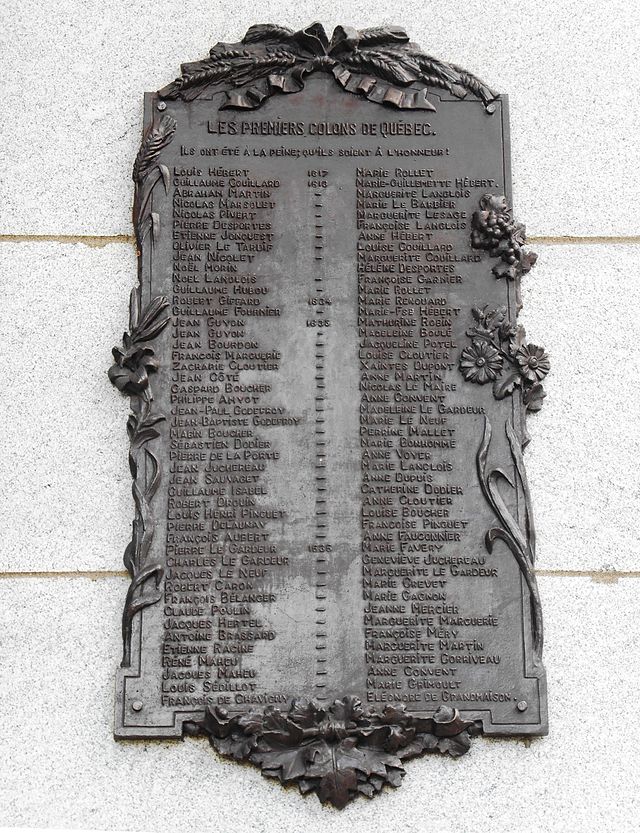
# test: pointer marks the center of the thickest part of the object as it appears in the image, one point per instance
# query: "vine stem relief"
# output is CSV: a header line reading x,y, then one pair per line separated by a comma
x,y
134,361
519,540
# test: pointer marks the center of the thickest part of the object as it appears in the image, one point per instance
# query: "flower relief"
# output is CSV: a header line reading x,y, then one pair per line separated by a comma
x,y
498,354
481,362
134,360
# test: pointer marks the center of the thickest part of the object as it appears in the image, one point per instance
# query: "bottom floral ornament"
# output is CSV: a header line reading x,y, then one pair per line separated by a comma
x,y
338,751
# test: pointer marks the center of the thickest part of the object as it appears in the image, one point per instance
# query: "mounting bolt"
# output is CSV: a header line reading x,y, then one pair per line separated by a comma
x,y
137,705
522,706
162,105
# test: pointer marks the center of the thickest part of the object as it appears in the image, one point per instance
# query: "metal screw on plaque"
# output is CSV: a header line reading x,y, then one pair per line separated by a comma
x,y
522,706
137,705
162,105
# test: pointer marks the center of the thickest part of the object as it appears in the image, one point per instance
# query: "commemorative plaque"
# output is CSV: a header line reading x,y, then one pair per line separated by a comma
x,y
332,559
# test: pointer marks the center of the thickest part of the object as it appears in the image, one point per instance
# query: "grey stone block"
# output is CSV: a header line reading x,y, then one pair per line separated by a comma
x,y
60,645
66,487
74,77
582,303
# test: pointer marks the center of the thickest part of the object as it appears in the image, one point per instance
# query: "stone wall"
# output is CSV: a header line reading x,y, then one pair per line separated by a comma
x,y
73,75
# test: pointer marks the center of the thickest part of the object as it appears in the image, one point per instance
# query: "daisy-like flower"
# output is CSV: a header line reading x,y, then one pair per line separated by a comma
x,y
533,362
481,362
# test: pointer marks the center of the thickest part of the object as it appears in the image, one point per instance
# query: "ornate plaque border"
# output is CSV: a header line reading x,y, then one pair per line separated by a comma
x,y
341,750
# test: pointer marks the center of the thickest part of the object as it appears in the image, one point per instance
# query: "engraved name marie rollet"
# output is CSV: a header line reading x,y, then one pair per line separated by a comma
x,y
332,554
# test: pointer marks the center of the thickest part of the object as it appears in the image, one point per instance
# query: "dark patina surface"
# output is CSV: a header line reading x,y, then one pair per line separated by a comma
x,y
333,550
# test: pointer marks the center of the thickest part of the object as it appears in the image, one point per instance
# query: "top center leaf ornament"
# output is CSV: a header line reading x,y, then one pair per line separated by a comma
x,y
380,64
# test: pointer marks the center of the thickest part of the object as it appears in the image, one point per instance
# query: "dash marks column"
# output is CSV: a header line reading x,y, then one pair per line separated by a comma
x,y
317,301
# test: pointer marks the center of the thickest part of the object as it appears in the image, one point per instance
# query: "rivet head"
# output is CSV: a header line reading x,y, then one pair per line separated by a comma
x,y
522,706
162,105
137,705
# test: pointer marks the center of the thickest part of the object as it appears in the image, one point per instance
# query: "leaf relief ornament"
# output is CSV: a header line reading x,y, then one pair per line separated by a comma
x,y
338,751
380,64
134,361
147,173
499,354
517,530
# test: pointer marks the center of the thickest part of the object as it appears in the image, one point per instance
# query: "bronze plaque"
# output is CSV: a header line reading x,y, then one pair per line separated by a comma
x,y
332,558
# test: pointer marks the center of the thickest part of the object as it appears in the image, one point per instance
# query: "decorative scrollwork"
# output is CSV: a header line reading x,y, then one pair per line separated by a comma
x,y
498,353
520,541
380,64
337,751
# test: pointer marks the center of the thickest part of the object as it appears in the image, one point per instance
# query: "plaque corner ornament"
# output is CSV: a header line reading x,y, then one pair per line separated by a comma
x,y
381,64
